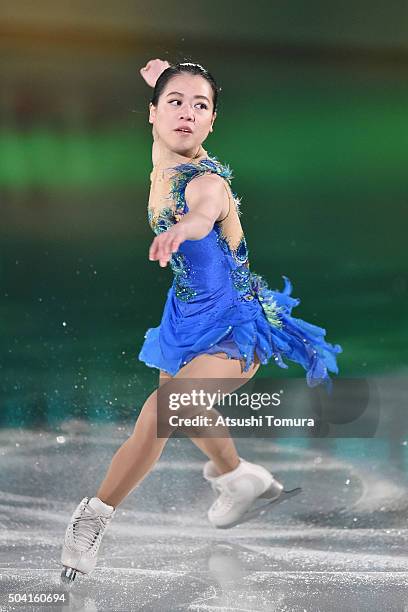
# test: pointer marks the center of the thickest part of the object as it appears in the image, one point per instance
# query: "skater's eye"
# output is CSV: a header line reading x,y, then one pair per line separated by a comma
x,y
202,104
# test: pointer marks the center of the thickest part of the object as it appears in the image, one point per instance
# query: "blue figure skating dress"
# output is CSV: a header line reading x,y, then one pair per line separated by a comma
x,y
216,303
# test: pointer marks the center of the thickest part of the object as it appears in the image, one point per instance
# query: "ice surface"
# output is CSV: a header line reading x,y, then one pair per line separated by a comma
x,y
340,545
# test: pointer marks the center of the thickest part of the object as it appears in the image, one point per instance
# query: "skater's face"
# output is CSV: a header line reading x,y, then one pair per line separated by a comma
x,y
186,103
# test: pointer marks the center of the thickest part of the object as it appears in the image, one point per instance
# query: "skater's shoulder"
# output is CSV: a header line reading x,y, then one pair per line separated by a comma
x,y
208,193
208,164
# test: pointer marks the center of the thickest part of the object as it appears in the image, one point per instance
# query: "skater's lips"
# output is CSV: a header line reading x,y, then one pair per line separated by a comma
x,y
184,128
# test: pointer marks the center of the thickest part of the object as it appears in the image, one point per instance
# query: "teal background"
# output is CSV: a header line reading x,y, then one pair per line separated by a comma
x,y
312,120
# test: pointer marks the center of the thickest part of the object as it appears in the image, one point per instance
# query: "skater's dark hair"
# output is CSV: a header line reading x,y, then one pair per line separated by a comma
x,y
181,68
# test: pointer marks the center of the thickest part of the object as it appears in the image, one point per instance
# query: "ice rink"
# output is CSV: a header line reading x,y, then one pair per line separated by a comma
x,y
340,545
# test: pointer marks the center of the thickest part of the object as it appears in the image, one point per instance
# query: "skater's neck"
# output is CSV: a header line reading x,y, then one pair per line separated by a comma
x,y
163,157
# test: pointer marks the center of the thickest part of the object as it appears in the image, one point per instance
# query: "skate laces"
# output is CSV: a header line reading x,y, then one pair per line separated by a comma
x,y
224,500
87,528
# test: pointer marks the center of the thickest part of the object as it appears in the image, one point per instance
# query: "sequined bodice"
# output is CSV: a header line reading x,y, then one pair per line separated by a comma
x,y
216,264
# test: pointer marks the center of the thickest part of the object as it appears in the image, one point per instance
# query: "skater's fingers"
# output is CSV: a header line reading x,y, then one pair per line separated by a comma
x,y
168,240
164,257
154,247
165,253
162,251
148,65
146,68
161,254
158,63
152,250
163,246
174,245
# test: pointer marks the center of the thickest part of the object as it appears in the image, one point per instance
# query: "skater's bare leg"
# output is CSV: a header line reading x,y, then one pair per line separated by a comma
x,y
135,458
221,450
138,455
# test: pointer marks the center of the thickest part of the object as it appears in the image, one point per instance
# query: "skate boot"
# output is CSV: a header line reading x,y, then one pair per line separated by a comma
x,y
238,491
83,537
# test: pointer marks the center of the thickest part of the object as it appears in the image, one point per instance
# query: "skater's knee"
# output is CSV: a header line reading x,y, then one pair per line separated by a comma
x,y
153,415
150,406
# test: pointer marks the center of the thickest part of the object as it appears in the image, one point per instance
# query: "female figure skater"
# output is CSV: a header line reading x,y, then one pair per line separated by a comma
x,y
220,320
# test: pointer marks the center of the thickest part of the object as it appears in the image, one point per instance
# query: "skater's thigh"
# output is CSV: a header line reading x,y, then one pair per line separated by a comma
x,y
210,366
163,377
214,373
217,365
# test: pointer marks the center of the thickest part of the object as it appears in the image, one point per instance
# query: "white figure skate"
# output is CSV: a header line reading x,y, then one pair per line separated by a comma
x,y
239,490
83,537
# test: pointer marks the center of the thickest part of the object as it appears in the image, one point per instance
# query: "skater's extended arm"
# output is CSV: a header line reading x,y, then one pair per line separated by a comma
x,y
207,198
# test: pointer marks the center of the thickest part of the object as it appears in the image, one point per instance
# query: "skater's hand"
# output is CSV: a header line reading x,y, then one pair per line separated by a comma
x,y
153,70
167,243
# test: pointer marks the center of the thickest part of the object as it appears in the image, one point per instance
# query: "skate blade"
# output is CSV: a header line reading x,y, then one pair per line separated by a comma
x,y
68,575
284,495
